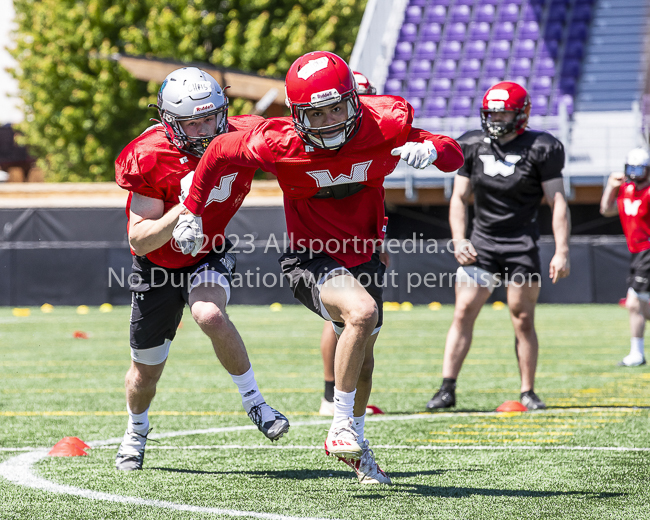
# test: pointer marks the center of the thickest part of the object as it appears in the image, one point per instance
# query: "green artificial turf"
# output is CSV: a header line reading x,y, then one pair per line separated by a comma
x,y
464,463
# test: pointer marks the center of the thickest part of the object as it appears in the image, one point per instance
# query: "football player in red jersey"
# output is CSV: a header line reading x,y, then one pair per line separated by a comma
x,y
330,158
328,337
508,169
157,168
628,194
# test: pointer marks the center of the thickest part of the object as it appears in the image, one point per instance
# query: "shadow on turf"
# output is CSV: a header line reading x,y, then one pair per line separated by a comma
x,y
304,474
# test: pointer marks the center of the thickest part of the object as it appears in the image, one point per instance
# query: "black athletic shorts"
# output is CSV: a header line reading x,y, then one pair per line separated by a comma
x,y
159,295
639,278
507,256
306,270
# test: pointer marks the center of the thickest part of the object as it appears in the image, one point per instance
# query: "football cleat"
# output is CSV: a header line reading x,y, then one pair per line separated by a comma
x,y
531,401
632,360
367,470
273,429
342,442
130,454
442,399
326,407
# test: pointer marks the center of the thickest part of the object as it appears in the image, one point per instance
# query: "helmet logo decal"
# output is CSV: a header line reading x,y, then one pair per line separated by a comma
x,y
492,167
358,173
312,67
325,97
498,94
203,108
496,105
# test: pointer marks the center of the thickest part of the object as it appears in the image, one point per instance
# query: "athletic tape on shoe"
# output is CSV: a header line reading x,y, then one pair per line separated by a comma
x,y
151,356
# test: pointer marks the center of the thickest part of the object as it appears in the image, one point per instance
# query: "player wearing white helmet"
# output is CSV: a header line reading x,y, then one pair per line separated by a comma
x,y
628,194
157,168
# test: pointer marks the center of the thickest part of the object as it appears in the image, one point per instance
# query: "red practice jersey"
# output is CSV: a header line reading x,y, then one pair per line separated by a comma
x,y
152,166
346,229
634,210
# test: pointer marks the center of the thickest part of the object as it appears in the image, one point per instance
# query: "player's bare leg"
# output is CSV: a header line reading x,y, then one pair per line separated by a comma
x,y
522,298
208,306
470,299
639,310
140,383
327,349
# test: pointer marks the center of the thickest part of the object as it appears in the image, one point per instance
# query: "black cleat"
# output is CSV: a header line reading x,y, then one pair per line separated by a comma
x,y
531,401
442,399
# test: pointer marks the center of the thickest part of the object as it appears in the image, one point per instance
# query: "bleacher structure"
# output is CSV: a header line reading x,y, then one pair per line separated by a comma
x,y
582,61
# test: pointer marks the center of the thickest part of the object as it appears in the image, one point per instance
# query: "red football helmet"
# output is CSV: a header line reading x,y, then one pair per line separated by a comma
x,y
505,96
364,86
316,80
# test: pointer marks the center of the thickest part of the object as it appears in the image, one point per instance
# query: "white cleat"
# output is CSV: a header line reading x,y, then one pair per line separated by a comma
x,y
367,470
632,360
326,407
342,442
130,454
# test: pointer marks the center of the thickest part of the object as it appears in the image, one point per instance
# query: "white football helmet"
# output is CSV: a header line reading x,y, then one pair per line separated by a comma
x,y
637,165
191,93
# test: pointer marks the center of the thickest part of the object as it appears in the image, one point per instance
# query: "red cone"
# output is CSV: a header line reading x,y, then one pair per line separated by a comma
x,y
371,409
622,301
69,447
512,406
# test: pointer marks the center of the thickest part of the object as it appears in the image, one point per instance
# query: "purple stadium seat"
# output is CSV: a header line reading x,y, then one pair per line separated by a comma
x,y
460,106
529,31
413,14
466,86
461,13
500,49
574,49
505,31
416,103
539,105
516,2
420,69
545,67
479,31
485,13
441,87
491,2
568,86
475,49
435,107
578,31
431,32
509,13
548,48
582,13
437,14
446,68
496,68
421,3
524,49
397,69
465,2
541,85
553,31
417,87
557,13
425,50
393,87
485,83
532,13
450,49
456,31
470,68
568,102
403,51
571,68
521,67
408,32
446,3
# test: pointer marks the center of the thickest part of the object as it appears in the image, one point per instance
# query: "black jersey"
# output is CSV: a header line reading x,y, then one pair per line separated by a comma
x,y
507,180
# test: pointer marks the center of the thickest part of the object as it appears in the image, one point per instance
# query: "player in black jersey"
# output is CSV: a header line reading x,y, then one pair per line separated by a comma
x,y
508,169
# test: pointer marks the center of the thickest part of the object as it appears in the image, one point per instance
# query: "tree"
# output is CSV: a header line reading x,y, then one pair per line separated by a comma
x,y
82,108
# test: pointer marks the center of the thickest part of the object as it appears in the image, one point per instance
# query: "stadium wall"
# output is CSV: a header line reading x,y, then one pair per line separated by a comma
x,y
74,256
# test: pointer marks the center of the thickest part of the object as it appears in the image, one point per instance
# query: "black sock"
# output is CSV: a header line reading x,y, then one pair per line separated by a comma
x,y
329,391
448,384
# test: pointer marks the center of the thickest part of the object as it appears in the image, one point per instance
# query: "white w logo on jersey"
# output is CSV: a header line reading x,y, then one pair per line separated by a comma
x,y
631,207
492,167
218,193
359,173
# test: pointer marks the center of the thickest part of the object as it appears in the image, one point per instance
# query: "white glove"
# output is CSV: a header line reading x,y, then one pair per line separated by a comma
x,y
418,155
188,234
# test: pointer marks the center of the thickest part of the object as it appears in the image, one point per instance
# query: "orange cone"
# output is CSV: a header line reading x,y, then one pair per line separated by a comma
x,y
69,447
512,406
80,334
371,409
622,302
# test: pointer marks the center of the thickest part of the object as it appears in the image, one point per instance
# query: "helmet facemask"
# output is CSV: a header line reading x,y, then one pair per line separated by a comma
x,y
497,129
193,145
637,165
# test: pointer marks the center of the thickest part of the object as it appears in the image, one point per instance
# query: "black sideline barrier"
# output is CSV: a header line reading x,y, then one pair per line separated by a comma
x,y
81,256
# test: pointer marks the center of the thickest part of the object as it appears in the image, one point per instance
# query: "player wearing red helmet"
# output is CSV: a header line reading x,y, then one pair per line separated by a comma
x,y
508,169
330,158
628,195
364,85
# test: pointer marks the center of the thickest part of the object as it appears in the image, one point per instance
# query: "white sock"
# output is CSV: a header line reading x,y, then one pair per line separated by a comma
x,y
251,395
358,424
343,406
138,422
636,347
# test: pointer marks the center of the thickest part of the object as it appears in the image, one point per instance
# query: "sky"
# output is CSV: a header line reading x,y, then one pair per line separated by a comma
x,y
9,108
